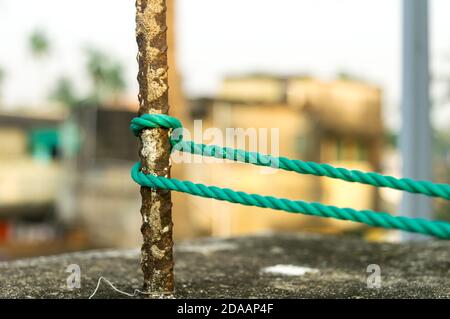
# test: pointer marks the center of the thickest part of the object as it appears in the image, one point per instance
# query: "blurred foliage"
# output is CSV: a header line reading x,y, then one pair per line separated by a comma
x,y
39,43
441,152
65,93
390,138
106,79
442,146
348,76
2,75
106,75
441,166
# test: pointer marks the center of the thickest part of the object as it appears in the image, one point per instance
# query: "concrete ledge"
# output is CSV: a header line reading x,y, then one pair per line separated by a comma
x,y
313,266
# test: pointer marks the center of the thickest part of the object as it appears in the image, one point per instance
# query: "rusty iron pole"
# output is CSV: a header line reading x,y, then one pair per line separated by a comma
x,y
156,210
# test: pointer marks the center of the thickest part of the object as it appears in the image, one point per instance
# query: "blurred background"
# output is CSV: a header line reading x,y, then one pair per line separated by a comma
x,y
326,73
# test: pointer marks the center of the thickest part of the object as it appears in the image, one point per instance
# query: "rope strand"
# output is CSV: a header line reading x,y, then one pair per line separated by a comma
x,y
378,219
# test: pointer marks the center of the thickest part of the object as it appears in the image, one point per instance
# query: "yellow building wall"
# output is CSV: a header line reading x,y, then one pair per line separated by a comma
x,y
264,106
224,219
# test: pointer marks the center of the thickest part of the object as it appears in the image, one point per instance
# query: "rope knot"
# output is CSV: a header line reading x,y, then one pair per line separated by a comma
x,y
158,121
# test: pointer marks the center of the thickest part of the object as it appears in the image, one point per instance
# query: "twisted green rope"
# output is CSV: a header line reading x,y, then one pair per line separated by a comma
x,y
438,229
375,179
435,228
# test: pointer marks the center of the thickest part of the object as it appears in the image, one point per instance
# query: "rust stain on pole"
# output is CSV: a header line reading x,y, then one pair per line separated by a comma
x,y
156,210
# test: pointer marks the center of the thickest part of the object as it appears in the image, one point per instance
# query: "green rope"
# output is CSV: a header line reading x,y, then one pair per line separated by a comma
x,y
435,228
375,179
438,229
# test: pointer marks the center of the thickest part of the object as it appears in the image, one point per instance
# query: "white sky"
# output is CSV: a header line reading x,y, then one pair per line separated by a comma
x,y
220,37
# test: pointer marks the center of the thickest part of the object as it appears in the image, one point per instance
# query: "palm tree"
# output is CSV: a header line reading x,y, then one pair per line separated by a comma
x,y
64,92
39,43
106,76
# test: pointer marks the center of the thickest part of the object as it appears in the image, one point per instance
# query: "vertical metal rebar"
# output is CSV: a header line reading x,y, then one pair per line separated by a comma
x,y
156,210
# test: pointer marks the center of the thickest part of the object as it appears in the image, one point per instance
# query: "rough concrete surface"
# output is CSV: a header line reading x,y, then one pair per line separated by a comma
x,y
234,267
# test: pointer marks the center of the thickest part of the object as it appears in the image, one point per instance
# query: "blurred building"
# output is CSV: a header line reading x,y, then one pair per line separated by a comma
x,y
336,122
63,172
30,170
70,171
97,192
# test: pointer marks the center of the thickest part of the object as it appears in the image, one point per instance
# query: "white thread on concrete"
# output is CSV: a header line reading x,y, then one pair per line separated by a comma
x,y
136,291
